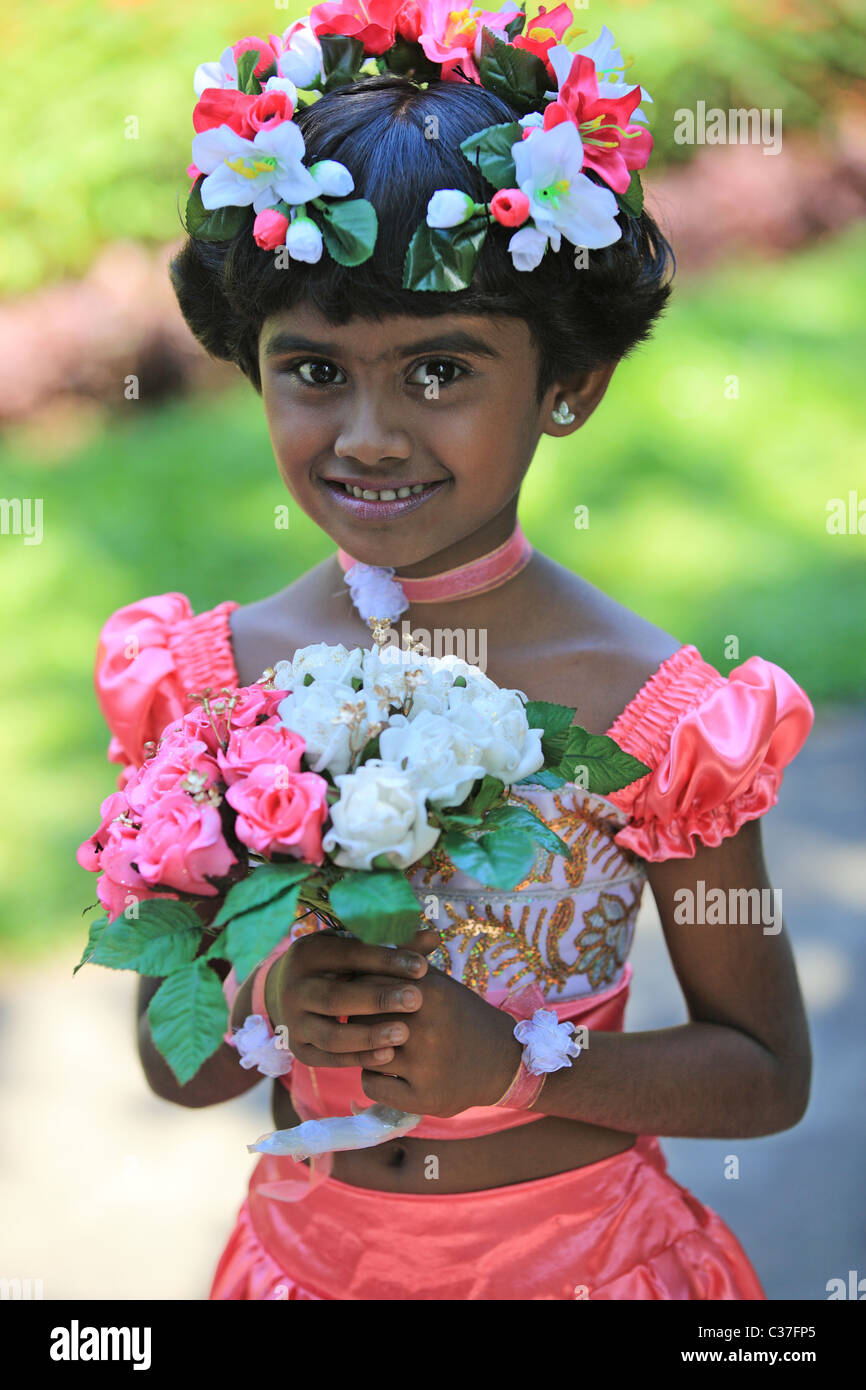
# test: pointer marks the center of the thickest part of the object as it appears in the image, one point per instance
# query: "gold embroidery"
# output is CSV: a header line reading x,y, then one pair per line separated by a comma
x,y
603,944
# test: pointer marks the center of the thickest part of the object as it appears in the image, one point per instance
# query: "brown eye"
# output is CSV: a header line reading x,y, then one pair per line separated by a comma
x,y
318,373
435,367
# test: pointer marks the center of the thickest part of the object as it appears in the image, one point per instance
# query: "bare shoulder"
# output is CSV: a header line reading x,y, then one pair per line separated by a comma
x,y
273,628
600,653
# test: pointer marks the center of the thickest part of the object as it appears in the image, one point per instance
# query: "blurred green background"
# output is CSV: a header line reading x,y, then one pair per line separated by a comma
x,y
707,500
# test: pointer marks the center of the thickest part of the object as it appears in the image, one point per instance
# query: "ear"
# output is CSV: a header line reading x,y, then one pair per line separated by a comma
x,y
581,393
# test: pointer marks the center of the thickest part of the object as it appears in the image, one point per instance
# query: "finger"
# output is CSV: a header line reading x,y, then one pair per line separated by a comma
x,y
320,952
314,1057
387,1090
366,1036
363,994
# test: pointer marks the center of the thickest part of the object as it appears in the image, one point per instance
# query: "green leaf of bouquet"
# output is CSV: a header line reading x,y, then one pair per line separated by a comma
x,y
188,1016
97,927
545,777
513,73
443,258
247,63
490,150
608,767
341,58
555,720
498,860
162,939
631,201
522,818
219,225
259,887
379,906
349,228
251,937
490,790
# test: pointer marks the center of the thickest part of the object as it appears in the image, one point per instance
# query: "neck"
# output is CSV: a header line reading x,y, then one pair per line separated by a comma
x,y
492,534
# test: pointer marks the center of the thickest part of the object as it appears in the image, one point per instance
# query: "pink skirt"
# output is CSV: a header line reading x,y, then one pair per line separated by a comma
x,y
620,1228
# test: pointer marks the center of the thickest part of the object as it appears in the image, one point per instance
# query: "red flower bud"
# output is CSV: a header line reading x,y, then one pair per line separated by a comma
x,y
269,229
510,207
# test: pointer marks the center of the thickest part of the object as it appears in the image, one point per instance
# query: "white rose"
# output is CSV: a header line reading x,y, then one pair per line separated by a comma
x,y
439,756
304,240
312,711
448,207
334,665
496,721
380,811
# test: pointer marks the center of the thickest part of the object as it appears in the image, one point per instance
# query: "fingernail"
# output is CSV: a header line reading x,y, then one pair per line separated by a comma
x,y
411,963
396,1034
407,998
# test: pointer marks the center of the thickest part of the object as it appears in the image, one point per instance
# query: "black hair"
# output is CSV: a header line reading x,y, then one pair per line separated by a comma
x,y
380,128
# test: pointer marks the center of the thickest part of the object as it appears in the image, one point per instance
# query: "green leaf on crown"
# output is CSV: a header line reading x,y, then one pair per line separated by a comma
x,y
221,224
378,907
341,59
631,202
407,59
599,762
349,228
498,860
188,1016
516,26
443,258
490,150
247,63
162,939
514,74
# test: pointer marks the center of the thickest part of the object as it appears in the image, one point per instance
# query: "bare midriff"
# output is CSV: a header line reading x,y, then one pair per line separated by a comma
x,y
537,1150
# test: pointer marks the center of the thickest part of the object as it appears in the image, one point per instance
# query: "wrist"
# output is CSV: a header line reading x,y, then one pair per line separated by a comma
x,y
509,1059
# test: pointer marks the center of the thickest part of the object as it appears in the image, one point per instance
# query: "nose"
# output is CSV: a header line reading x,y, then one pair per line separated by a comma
x,y
368,435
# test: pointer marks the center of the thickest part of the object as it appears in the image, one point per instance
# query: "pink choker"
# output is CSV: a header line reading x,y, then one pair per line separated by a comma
x,y
378,592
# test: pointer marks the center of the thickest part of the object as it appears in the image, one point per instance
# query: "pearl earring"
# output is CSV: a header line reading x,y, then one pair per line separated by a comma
x,y
562,415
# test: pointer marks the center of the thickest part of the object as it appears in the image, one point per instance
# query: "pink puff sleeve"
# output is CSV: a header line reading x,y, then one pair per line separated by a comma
x,y
150,655
717,747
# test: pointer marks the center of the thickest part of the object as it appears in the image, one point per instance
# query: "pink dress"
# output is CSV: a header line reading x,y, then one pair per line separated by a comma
x,y
619,1228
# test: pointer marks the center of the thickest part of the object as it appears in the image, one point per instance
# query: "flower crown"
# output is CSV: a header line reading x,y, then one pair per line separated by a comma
x,y
566,168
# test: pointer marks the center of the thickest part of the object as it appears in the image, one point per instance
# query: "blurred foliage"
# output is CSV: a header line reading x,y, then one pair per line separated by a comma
x,y
74,180
707,516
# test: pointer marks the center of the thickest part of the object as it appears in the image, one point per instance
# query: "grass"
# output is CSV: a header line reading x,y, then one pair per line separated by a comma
x,y
707,515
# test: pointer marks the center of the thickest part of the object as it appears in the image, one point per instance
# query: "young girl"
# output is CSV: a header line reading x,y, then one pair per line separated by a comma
x,y
403,422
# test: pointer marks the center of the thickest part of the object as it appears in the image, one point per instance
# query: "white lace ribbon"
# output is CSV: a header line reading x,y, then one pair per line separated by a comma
x,y
374,1125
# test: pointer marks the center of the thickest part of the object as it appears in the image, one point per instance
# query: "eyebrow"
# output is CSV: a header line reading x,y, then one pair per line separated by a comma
x,y
458,341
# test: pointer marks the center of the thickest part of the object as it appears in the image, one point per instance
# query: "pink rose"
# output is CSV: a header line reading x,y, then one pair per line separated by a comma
x,y
270,742
120,879
280,811
177,757
371,21
510,207
269,229
254,701
181,844
89,852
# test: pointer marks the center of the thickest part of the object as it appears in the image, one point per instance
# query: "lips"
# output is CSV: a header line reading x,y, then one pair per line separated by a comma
x,y
378,508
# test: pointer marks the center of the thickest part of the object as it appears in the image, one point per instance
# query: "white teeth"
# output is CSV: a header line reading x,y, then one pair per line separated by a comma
x,y
386,495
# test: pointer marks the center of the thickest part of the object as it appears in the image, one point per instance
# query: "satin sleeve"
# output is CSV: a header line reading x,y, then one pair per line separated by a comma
x,y
150,655
717,747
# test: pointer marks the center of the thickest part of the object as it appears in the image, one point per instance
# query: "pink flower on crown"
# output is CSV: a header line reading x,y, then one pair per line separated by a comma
x,y
371,21
612,146
543,31
245,114
225,72
452,36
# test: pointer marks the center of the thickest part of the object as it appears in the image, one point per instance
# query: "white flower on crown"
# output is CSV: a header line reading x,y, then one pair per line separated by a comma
x,y
380,811
260,171
562,200
299,53
221,74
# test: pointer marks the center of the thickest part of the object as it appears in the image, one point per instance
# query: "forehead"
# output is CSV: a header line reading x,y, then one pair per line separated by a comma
x,y
495,337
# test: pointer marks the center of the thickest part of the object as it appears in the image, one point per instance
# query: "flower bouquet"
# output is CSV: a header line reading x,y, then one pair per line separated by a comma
x,y
334,776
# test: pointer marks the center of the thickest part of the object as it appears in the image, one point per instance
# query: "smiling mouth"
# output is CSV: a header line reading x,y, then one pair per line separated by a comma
x,y
388,494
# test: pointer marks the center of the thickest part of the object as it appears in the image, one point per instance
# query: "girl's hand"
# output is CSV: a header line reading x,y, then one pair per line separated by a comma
x,y
461,1051
323,978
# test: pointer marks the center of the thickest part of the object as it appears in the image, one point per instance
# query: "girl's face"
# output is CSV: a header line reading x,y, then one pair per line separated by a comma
x,y
445,403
